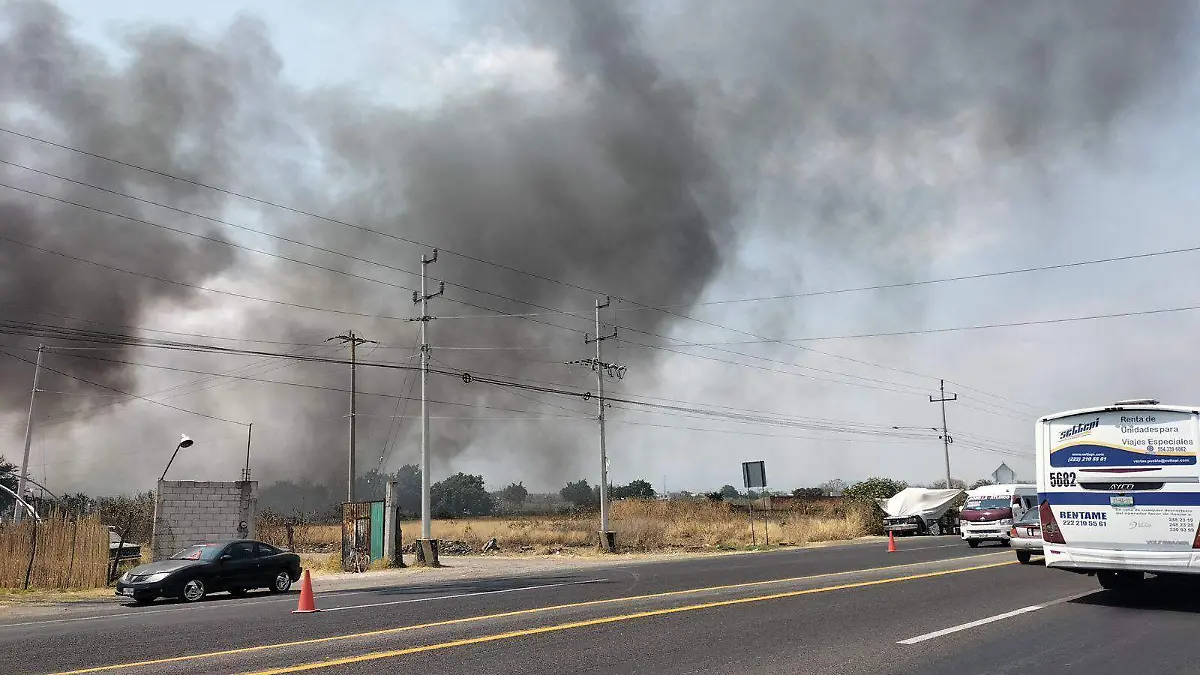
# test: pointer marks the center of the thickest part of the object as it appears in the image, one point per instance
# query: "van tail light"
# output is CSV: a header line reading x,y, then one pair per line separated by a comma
x,y
1196,540
1051,533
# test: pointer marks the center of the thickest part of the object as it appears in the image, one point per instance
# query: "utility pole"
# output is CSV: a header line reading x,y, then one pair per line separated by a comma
x,y
946,440
354,341
428,556
37,371
246,471
607,537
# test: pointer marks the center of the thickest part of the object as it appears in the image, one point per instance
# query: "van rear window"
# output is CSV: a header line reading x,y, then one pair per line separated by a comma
x,y
986,503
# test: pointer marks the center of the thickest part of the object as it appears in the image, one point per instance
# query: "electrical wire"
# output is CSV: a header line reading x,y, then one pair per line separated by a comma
x,y
414,242
104,386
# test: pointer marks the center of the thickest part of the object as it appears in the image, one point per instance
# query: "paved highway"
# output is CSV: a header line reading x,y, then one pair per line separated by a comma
x,y
935,607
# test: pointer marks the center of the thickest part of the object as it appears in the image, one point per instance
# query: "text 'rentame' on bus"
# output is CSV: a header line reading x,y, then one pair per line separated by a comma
x,y
1119,490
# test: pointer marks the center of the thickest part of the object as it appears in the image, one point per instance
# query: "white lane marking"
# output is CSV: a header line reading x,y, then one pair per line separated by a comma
x,y
991,619
464,595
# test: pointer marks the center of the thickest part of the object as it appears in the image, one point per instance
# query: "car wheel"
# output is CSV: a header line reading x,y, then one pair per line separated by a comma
x,y
1024,557
193,591
935,530
282,582
973,543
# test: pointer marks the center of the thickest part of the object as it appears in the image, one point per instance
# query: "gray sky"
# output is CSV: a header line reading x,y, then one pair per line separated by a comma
x,y
847,149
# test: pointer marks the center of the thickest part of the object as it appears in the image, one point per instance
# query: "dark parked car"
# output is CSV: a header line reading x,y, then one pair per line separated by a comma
x,y
235,566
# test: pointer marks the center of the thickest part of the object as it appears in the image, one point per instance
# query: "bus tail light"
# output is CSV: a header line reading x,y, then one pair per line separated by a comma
x,y
1051,533
1196,539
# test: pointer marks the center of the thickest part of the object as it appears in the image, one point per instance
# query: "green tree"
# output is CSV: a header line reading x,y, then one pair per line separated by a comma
x,y
638,489
370,486
729,492
834,487
956,483
579,493
515,494
981,482
461,495
808,493
8,478
408,479
875,488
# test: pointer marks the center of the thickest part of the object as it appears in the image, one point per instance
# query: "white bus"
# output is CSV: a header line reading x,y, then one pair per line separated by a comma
x,y
1119,490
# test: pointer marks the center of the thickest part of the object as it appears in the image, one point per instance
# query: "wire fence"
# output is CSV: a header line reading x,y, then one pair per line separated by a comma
x,y
58,553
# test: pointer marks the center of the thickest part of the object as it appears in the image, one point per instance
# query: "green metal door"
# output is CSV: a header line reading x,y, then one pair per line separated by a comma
x,y
376,530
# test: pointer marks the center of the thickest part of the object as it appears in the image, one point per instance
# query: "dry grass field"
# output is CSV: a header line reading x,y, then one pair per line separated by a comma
x,y
67,554
642,526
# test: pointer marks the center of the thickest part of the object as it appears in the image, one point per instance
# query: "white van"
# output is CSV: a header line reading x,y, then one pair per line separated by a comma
x,y
990,510
1119,490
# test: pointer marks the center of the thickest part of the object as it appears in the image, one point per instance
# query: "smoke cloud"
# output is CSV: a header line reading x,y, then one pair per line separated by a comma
x,y
662,137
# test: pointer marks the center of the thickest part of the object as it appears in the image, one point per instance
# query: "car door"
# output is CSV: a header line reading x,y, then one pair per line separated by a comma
x,y
237,566
270,562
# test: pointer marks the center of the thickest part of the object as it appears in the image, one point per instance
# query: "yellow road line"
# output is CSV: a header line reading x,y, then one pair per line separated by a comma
x,y
502,615
374,656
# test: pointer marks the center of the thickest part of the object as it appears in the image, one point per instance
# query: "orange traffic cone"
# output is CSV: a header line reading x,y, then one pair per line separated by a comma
x,y
306,597
891,543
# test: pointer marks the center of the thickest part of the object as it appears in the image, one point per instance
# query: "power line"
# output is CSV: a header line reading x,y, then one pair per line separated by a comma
x,y
941,280
104,386
394,429
467,378
44,331
414,242
952,329
911,388
195,286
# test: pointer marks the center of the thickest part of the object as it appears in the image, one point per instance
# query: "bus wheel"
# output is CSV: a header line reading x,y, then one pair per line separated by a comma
x,y
1119,581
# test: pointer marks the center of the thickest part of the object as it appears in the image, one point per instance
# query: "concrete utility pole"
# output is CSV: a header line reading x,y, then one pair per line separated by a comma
x,y
946,440
423,299
354,341
246,471
607,537
37,372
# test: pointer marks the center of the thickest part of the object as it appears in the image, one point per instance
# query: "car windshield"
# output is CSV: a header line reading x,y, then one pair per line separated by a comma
x,y
985,503
1031,516
198,552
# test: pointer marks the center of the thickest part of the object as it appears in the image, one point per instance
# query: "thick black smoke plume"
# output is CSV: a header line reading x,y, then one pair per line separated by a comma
x,y
662,138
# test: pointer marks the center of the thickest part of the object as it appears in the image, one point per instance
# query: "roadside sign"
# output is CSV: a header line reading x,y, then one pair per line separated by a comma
x,y
754,474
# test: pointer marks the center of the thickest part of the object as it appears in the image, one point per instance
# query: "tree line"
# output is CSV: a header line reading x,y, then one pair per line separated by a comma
x,y
459,495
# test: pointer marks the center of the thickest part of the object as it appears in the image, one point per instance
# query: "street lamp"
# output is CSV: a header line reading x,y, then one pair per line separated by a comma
x,y
184,442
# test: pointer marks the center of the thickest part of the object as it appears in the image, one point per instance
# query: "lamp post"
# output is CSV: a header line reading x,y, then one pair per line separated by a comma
x,y
184,442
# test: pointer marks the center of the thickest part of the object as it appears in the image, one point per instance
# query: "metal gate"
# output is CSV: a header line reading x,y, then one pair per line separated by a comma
x,y
362,535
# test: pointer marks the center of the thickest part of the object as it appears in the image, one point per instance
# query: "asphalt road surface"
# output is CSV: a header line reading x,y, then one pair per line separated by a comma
x,y
934,607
